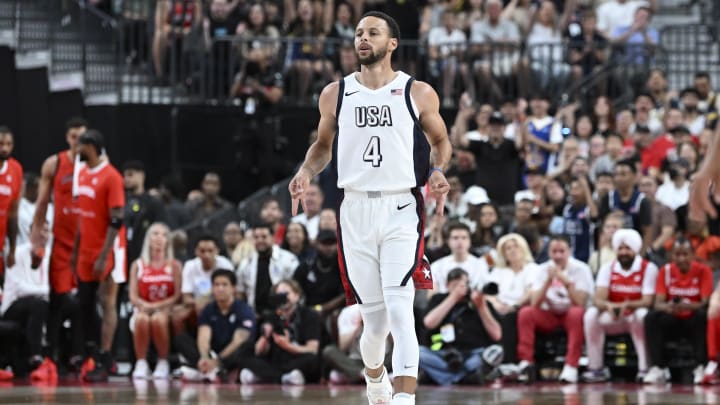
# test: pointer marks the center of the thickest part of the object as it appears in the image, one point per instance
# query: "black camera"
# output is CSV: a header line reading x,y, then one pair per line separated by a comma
x,y
676,300
454,359
616,310
490,288
276,301
277,322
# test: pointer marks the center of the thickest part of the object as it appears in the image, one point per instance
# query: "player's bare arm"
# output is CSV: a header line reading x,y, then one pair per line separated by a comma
x,y
43,199
320,152
12,231
707,178
431,121
116,216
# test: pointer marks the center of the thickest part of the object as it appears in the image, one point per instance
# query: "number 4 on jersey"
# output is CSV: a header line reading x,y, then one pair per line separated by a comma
x,y
372,152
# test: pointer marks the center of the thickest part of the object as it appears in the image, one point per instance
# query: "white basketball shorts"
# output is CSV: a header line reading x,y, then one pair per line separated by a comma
x,y
380,241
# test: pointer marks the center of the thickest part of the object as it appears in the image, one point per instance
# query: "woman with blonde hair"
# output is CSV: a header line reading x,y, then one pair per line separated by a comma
x,y
513,273
155,284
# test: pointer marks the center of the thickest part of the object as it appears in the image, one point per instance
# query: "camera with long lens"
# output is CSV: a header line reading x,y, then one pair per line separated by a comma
x,y
490,288
275,301
454,359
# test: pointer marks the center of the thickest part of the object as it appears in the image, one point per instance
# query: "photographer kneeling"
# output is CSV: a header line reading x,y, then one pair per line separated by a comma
x,y
463,333
287,349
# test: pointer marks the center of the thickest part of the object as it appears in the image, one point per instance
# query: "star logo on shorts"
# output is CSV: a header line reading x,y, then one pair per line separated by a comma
x,y
427,274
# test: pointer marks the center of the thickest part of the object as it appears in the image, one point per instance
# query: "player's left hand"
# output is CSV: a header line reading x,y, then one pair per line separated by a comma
x,y
99,267
439,188
700,204
297,187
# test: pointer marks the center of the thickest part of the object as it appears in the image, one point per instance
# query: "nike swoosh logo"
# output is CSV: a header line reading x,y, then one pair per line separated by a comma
x,y
406,366
351,93
399,207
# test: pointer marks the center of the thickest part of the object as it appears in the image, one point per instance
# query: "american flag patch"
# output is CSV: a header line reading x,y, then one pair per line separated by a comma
x,y
396,92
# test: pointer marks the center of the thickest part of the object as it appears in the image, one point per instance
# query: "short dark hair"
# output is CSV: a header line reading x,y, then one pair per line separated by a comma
x,y
264,225
206,238
391,23
603,174
76,122
93,137
456,273
134,165
629,163
689,90
5,130
559,237
702,75
224,273
457,225
682,241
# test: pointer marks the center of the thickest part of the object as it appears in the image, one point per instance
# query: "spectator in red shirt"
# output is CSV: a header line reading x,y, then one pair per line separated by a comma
x,y
683,291
658,150
98,256
713,339
11,177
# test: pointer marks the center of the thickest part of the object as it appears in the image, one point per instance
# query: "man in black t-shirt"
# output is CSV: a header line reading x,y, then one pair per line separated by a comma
x,y
141,209
224,328
626,197
498,160
463,333
321,278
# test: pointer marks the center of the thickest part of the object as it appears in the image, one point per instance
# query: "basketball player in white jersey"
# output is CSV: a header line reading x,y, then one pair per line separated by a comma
x,y
386,139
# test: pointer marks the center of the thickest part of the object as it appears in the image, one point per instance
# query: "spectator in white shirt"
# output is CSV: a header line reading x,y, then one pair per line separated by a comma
x,y
676,192
514,273
617,13
196,282
267,266
560,293
446,49
26,210
459,243
25,295
496,41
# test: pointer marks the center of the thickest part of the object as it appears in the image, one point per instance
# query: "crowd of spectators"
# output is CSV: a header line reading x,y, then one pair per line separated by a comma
x,y
267,51
560,217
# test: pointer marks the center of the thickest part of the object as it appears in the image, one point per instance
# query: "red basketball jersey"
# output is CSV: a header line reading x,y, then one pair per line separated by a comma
x,y
694,286
99,190
155,283
626,286
11,177
65,214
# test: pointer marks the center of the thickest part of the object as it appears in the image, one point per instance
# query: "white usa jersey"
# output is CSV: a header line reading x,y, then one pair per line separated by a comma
x,y
379,144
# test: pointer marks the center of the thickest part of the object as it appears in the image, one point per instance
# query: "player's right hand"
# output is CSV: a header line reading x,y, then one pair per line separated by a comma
x,y
297,188
439,188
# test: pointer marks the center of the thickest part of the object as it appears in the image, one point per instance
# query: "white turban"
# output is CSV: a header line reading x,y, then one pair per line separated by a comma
x,y
629,237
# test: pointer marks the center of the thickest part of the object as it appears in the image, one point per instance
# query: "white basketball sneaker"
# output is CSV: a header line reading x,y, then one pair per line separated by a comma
x,y
379,393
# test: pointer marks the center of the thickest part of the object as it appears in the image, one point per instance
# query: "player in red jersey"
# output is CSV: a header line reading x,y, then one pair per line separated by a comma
x,y
155,280
98,254
56,184
11,176
683,291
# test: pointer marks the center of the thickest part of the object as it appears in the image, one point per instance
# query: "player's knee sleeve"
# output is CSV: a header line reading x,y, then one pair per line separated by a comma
x,y
406,353
376,327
